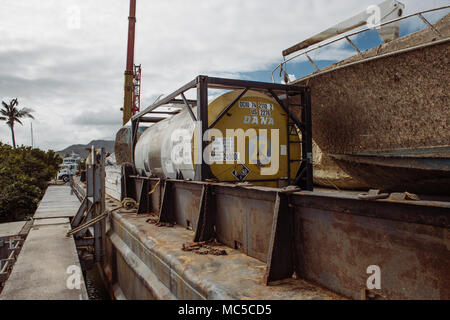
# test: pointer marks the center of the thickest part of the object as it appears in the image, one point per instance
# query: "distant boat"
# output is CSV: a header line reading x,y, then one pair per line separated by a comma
x,y
68,167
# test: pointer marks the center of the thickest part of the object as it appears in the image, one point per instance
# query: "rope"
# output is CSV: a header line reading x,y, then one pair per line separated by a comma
x,y
154,188
87,224
129,203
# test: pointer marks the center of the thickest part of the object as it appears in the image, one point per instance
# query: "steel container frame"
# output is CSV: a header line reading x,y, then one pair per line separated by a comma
x,y
304,177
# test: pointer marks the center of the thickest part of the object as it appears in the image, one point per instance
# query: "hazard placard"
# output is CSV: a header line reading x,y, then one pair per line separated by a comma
x,y
241,172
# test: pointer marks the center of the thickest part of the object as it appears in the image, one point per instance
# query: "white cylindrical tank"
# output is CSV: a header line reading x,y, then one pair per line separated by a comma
x,y
256,114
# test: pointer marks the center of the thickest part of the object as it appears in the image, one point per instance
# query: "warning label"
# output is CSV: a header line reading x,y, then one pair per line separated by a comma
x,y
223,150
223,145
241,172
247,104
224,156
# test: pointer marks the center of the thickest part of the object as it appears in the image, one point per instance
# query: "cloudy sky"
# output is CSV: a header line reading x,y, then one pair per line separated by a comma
x,y
65,59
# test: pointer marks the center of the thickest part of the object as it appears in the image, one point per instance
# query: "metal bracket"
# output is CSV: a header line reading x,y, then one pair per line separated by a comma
x,y
206,219
127,186
281,256
188,107
144,206
225,111
166,209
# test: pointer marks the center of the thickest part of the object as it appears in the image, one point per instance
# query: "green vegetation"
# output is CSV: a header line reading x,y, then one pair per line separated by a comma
x,y
11,115
24,175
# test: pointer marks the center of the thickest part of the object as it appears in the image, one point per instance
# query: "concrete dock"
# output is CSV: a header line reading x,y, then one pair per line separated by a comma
x,y
48,266
11,229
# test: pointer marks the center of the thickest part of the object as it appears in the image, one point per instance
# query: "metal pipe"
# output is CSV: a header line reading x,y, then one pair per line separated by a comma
x,y
131,36
429,24
352,44
387,8
285,61
311,60
129,72
432,43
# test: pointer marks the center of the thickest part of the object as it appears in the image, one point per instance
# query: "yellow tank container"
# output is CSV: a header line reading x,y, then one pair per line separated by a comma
x,y
260,159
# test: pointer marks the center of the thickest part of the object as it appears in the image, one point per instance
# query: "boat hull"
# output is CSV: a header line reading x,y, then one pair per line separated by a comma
x,y
419,171
385,104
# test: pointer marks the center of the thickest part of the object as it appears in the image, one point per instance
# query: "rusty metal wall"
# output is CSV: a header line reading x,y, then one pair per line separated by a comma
x,y
337,244
244,216
244,219
151,265
186,200
337,236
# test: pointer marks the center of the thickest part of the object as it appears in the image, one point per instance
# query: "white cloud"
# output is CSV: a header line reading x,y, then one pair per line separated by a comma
x,y
73,77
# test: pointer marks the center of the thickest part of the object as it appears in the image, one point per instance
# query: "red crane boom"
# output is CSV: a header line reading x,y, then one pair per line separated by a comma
x,y
132,78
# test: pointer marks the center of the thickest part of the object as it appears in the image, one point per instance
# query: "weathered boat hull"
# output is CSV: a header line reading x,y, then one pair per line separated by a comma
x,y
401,171
388,99
328,174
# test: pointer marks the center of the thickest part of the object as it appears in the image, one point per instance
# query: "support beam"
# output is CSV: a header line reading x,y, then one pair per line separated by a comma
x,y
166,213
144,206
188,107
201,171
206,216
306,182
224,112
166,99
280,259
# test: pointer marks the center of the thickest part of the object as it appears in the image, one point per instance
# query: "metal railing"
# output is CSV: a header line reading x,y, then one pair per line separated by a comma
x,y
6,264
347,37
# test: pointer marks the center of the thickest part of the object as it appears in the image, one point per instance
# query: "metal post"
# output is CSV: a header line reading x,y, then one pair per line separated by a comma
x,y
99,203
201,171
352,44
312,61
307,139
102,223
429,24
281,263
288,140
134,129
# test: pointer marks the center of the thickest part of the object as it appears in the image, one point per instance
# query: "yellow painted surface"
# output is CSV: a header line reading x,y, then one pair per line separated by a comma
x,y
253,111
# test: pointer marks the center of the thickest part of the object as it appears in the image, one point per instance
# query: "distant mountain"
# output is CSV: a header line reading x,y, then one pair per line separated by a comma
x,y
81,148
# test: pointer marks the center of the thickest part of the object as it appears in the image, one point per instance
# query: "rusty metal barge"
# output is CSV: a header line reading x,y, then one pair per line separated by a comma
x,y
279,244
203,239
195,230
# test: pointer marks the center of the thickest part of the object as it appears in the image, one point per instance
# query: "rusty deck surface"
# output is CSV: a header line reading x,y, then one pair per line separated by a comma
x,y
187,275
335,237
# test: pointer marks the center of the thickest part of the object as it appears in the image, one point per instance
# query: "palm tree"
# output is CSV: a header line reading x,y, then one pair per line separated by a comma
x,y
11,114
